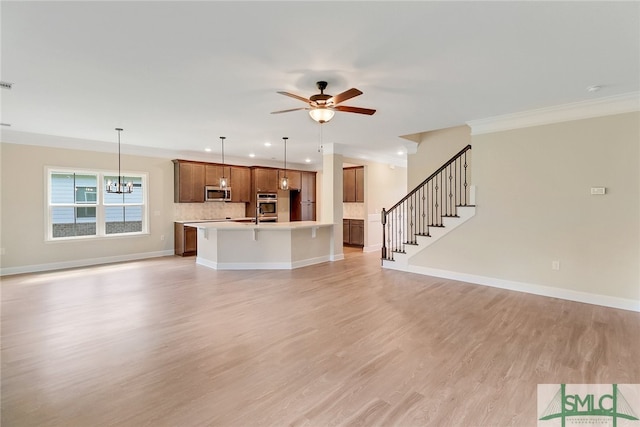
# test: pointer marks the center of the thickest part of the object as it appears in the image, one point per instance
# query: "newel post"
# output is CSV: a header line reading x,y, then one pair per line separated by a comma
x,y
383,220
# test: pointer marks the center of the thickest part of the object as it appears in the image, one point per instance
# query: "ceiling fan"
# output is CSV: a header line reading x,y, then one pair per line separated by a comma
x,y
323,106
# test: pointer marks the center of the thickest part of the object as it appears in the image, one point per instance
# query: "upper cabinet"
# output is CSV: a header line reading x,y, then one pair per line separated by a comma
x,y
191,177
188,181
360,185
240,184
265,180
353,184
213,173
295,178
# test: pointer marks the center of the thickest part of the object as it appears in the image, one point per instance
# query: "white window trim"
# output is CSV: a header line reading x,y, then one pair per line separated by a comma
x,y
100,205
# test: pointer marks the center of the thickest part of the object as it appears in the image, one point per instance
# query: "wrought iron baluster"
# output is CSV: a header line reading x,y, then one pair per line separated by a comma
x,y
465,178
425,206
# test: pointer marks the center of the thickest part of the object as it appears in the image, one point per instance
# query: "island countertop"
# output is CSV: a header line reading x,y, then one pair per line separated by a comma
x,y
294,225
195,221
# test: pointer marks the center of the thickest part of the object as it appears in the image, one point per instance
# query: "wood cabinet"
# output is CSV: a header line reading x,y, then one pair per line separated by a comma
x,y
240,184
188,181
353,232
353,184
295,178
308,211
213,173
190,178
308,184
185,240
360,185
346,234
308,196
265,180
349,185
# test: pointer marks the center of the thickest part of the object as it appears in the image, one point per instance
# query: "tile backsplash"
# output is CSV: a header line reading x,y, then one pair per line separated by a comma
x,y
211,210
353,210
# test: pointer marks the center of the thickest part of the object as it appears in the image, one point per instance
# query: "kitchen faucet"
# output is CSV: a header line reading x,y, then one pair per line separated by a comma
x,y
258,212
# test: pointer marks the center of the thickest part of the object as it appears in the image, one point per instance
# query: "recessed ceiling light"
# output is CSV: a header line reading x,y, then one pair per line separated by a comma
x,y
267,144
594,88
251,155
307,160
208,150
400,153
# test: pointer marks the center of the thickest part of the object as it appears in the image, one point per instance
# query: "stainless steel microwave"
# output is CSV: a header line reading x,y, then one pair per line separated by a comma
x,y
217,194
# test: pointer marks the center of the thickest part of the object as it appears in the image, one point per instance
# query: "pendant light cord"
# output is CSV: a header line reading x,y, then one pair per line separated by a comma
x,y
285,155
119,174
222,138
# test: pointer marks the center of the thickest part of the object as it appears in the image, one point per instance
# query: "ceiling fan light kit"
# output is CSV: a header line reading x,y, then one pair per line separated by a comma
x,y
322,114
322,107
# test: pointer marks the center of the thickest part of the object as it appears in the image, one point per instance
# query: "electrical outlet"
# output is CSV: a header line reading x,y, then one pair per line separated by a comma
x,y
162,237
555,265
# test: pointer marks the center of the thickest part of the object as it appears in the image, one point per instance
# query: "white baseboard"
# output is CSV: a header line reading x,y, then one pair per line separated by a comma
x,y
372,248
82,262
543,290
261,265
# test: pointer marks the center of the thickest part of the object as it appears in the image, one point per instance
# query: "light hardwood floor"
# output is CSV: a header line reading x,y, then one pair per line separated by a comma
x,y
164,342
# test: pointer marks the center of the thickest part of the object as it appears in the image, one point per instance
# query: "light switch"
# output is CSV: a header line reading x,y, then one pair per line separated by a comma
x,y
597,191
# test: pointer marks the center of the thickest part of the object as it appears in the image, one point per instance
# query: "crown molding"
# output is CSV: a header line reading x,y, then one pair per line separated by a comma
x,y
10,136
618,104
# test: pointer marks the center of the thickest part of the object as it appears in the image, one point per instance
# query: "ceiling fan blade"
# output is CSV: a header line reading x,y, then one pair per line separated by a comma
x,y
295,96
286,111
358,110
347,94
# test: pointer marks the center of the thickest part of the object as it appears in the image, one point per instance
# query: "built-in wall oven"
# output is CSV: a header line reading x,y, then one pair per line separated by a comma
x,y
267,204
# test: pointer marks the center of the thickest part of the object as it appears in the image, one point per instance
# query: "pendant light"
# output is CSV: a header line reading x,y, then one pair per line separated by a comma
x,y
284,181
119,187
224,181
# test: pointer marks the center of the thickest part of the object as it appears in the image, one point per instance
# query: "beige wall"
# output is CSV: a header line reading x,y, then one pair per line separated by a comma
x,y
23,208
534,207
434,150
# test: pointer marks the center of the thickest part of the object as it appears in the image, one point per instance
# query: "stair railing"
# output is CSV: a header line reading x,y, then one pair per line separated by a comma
x,y
437,197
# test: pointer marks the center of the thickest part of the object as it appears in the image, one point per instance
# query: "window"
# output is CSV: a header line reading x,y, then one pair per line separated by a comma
x,y
79,207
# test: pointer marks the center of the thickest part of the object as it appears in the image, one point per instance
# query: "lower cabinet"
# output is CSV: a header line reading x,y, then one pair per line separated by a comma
x,y
353,232
185,240
308,211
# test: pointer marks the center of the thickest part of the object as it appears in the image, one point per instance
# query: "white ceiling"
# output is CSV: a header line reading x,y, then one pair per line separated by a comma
x,y
177,75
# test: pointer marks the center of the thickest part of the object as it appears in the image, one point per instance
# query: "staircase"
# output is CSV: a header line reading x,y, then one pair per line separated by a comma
x,y
441,203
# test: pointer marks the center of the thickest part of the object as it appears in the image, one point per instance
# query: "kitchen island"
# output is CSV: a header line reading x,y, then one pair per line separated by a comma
x,y
265,246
